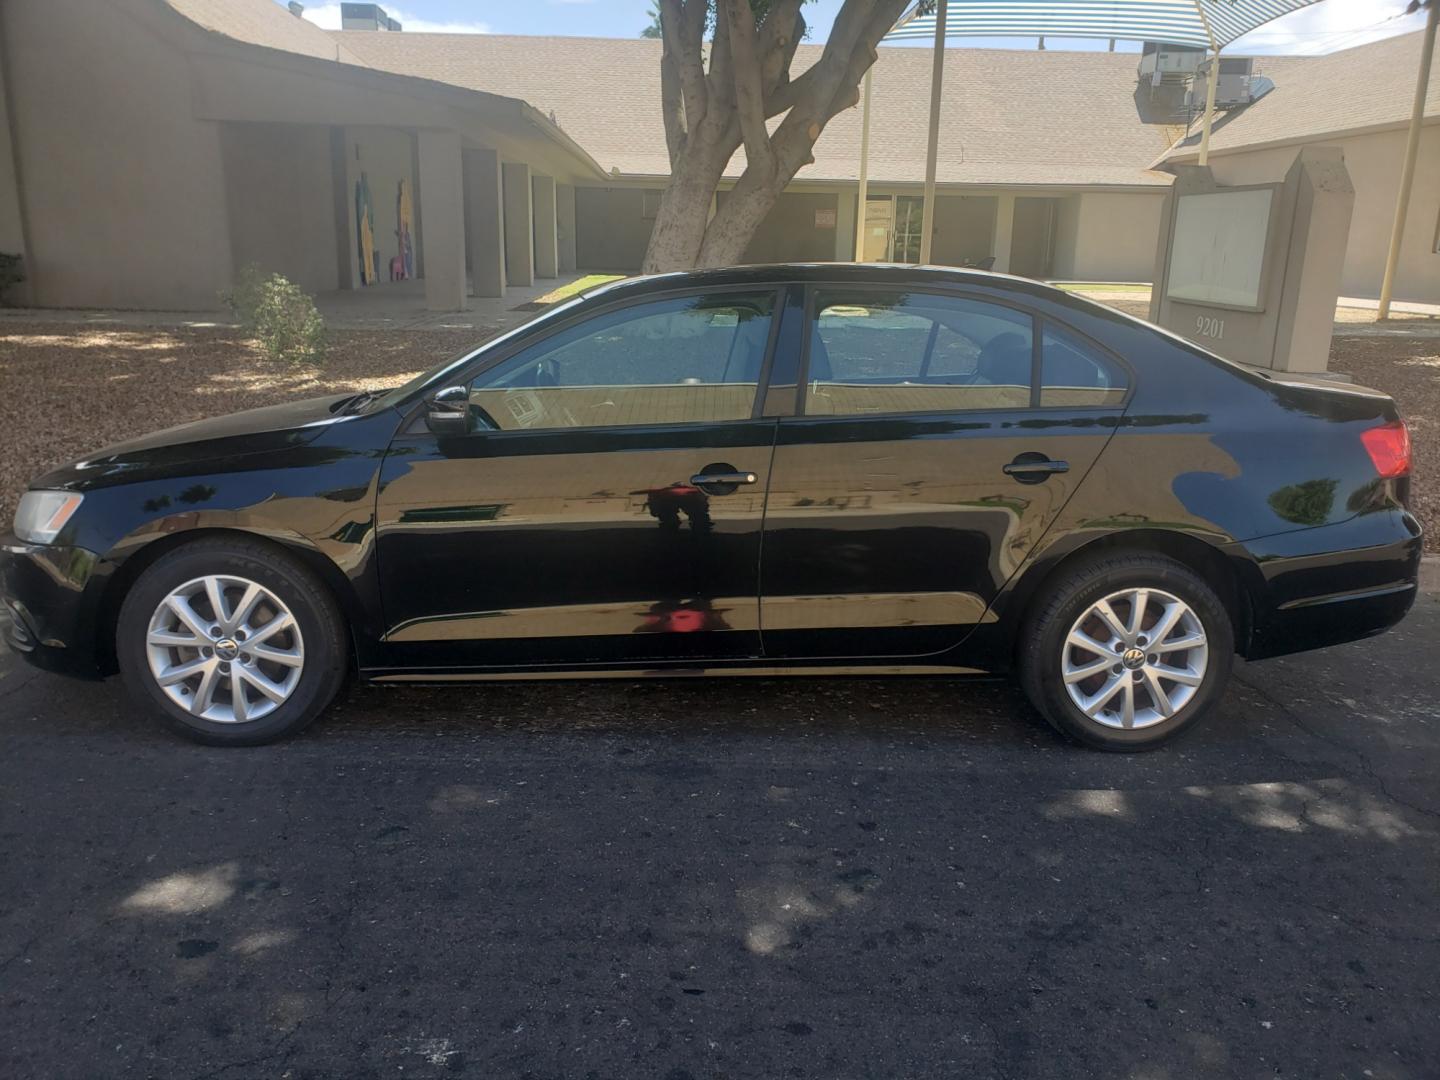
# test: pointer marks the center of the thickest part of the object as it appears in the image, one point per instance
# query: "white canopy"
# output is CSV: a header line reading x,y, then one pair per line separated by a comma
x,y
1209,24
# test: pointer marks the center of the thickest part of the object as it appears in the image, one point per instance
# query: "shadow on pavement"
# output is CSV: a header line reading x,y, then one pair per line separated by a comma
x,y
729,878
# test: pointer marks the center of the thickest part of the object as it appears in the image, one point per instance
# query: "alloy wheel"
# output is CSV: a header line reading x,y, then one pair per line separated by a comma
x,y
225,649
1134,658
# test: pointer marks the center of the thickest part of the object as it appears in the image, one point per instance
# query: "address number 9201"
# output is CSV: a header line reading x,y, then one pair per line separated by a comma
x,y
1209,326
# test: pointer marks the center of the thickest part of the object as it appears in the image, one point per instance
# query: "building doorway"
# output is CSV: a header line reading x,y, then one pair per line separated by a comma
x,y
1032,245
892,228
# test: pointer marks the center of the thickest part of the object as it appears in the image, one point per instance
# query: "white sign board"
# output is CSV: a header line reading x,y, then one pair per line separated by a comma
x,y
1217,256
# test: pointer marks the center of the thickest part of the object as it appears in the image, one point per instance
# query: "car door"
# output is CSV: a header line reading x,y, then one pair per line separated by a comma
x,y
938,436
604,507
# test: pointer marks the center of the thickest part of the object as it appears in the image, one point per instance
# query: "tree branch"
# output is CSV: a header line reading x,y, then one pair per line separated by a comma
x,y
720,83
780,36
682,29
749,87
672,107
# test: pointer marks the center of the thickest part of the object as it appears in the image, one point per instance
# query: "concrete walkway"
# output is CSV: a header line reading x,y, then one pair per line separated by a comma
x,y
1354,316
401,306
393,306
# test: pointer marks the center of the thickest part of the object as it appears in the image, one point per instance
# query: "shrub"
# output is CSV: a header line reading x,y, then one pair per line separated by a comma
x,y
280,315
244,299
12,272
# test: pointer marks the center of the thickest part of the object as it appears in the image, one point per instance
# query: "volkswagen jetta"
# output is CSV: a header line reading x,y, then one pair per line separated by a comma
x,y
757,470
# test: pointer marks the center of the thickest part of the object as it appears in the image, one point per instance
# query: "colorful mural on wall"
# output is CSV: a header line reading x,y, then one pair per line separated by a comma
x,y
403,265
365,232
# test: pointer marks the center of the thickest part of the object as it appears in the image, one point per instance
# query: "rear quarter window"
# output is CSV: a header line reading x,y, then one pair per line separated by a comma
x,y
1074,373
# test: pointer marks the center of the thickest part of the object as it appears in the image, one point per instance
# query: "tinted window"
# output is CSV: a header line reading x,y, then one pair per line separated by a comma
x,y
1073,373
688,359
887,352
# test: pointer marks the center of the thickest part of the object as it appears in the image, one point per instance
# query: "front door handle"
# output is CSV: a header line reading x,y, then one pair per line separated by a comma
x,y
709,479
1034,468
721,478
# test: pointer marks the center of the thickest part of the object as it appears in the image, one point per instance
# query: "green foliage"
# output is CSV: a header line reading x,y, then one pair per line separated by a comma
x,y
1306,503
279,314
12,272
244,299
653,30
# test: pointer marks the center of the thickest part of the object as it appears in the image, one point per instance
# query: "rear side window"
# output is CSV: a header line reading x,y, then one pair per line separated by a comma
x,y
1074,374
874,351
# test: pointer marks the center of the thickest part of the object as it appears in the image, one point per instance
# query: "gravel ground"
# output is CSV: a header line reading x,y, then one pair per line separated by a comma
x,y
67,389
1408,369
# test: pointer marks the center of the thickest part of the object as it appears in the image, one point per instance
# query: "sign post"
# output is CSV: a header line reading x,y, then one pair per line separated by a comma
x,y
1250,268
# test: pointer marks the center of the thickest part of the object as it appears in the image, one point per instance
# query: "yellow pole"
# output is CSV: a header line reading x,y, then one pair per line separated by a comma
x,y
864,171
1209,108
1412,147
937,78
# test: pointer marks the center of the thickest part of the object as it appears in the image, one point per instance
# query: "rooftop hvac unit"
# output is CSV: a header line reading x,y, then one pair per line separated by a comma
x,y
366,17
1172,83
1162,63
1238,85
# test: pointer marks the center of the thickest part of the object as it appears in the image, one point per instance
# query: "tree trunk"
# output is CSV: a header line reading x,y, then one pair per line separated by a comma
x,y
684,212
709,114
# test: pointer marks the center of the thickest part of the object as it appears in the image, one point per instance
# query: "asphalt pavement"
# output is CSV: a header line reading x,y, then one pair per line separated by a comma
x,y
694,880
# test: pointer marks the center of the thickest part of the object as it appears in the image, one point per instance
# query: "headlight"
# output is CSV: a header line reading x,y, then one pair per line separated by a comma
x,y
42,514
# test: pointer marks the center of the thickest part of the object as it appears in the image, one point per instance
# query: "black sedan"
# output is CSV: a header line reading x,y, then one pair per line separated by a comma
x,y
749,471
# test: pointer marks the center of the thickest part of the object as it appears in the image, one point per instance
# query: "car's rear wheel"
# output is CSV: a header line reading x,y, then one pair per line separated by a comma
x,y
233,642
1128,652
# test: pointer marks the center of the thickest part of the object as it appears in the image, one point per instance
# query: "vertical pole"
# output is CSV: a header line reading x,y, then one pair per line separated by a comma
x,y
864,170
1209,108
937,78
1412,147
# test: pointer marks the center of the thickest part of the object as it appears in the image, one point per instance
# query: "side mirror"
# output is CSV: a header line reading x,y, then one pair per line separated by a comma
x,y
447,412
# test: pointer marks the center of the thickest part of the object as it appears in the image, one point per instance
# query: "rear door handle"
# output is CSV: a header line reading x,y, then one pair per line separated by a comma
x,y
1033,468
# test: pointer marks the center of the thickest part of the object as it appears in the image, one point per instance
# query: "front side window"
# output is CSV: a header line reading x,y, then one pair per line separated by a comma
x,y
692,359
890,352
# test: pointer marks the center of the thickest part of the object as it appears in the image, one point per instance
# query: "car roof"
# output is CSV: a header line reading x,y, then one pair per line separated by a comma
x,y
892,274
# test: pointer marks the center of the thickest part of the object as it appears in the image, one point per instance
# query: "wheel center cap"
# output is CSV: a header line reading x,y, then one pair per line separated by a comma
x,y
226,649
1133,658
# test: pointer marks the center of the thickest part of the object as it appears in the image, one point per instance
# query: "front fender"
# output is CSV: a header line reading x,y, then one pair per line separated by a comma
x,y
315,502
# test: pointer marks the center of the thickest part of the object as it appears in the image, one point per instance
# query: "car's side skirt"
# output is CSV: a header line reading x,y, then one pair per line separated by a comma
x,y
769,671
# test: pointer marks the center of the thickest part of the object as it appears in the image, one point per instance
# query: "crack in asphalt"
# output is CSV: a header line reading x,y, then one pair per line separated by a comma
x,y
1366,766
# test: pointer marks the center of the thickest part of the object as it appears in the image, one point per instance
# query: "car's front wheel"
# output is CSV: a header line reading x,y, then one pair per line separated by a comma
x,y
1129,651
234,643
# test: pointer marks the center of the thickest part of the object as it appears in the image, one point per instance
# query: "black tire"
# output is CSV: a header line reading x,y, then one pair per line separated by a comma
x,y
1043,641
321,626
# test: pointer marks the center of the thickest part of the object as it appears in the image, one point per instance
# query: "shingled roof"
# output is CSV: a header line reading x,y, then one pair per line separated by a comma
x,y
1369,87
266,24
1008,118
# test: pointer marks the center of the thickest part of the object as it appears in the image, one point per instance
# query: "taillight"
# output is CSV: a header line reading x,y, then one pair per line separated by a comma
x,y
1389,448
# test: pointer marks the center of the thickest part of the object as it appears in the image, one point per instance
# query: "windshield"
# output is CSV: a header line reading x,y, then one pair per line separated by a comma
x,y
435,378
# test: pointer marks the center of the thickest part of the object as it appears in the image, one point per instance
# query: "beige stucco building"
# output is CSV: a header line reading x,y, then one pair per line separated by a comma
x,y
1360,101
151,148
